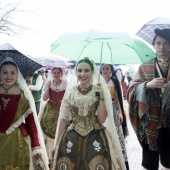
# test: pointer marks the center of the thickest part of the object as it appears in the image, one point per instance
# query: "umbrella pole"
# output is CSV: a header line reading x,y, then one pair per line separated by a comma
x,y
100,60
83,50
97,93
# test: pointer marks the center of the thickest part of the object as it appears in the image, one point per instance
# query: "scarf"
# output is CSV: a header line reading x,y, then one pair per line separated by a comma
x,y
147,114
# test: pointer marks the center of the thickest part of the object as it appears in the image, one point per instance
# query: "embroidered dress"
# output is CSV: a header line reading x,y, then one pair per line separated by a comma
x,y
15,146
84,144
116,113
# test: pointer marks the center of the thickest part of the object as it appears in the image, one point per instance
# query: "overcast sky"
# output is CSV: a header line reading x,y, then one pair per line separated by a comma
x,y
49,19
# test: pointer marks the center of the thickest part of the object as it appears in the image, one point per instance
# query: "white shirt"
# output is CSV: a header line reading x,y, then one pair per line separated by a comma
x,y
38,85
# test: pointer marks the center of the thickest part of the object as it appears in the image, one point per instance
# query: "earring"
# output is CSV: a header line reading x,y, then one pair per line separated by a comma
x,y
91,81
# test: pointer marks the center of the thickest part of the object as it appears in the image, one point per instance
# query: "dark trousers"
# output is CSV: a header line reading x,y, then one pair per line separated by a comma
x,y
151,158
37,106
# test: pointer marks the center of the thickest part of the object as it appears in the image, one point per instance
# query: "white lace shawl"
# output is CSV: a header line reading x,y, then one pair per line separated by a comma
x,y
114,144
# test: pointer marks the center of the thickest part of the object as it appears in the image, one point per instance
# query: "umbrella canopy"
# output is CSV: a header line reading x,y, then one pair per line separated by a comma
x,y
26,65
147,31
103,47
51,62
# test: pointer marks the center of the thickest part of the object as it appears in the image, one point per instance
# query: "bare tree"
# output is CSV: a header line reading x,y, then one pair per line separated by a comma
x,y
8,15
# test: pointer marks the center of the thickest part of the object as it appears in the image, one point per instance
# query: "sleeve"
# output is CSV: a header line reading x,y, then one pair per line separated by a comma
x,y
38,85
32,130
65,109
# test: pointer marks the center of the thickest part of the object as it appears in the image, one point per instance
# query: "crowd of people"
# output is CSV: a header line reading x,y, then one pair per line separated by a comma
x,y
51,122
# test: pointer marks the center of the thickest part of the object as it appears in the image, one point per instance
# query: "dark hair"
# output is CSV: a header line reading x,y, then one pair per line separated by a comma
x,y
164,33
57,68
8,63
117,85
86,60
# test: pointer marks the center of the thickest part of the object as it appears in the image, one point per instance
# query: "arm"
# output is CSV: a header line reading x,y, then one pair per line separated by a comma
x,y
46,89
102,112
38,85
62,126
32,131
62,121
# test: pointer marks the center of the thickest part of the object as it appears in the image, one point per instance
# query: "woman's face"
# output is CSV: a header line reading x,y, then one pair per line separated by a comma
x,y
56,74
106,70
84,74
8,75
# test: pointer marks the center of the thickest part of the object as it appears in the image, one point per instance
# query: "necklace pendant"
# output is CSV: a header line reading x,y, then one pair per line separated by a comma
x,y
5,102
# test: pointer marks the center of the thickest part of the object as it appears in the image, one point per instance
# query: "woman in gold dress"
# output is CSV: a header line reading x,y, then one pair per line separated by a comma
x,y
84,139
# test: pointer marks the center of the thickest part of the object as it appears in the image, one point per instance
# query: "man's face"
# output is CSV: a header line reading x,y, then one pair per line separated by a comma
x,y
41,72
161,47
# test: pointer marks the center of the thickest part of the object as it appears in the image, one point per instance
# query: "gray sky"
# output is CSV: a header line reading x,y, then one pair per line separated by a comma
x,y
50,19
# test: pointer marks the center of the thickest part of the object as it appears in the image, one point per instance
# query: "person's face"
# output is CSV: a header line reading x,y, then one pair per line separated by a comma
x,y
41,72
56,74
8,75
106,70
162,47
84,73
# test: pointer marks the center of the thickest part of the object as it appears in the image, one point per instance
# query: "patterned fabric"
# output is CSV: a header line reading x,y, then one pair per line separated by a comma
x,y
17,141
116,113
84,153
90,151
147,31
26,65
49,119
119,131
146,112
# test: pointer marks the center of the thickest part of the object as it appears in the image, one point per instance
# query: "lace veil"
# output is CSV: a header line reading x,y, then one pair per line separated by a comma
x,y
111,132
22,85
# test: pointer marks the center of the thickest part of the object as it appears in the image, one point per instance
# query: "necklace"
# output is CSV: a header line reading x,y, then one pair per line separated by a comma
x,y
58,86
10,87
164,62
5,102
57,82
85,90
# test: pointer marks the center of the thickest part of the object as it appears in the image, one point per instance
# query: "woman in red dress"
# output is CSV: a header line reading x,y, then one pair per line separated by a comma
x,y
53,92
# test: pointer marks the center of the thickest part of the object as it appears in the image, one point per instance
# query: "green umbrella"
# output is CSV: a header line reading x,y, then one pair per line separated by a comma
x,y
103,47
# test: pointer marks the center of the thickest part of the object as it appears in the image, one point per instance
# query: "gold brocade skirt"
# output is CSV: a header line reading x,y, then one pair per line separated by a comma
x,y
84,153
49,119
48,125
14,151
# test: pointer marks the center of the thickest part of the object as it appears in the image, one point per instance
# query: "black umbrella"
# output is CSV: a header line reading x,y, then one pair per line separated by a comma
x,y
26,65
147,31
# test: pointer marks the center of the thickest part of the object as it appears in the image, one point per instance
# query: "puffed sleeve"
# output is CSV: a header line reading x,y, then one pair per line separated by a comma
x,y
32,130
65,108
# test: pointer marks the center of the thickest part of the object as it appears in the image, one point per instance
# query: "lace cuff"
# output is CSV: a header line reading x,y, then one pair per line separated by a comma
x,y
37,150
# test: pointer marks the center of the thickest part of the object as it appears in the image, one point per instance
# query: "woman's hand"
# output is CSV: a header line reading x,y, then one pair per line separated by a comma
x,y
37,156
99,89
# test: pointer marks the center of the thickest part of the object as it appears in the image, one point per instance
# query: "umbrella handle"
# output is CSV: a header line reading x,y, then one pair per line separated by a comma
x,y
97,93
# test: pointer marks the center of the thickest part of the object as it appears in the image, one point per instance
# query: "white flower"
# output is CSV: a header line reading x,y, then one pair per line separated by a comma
x,y
96,146
68,150
69,144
